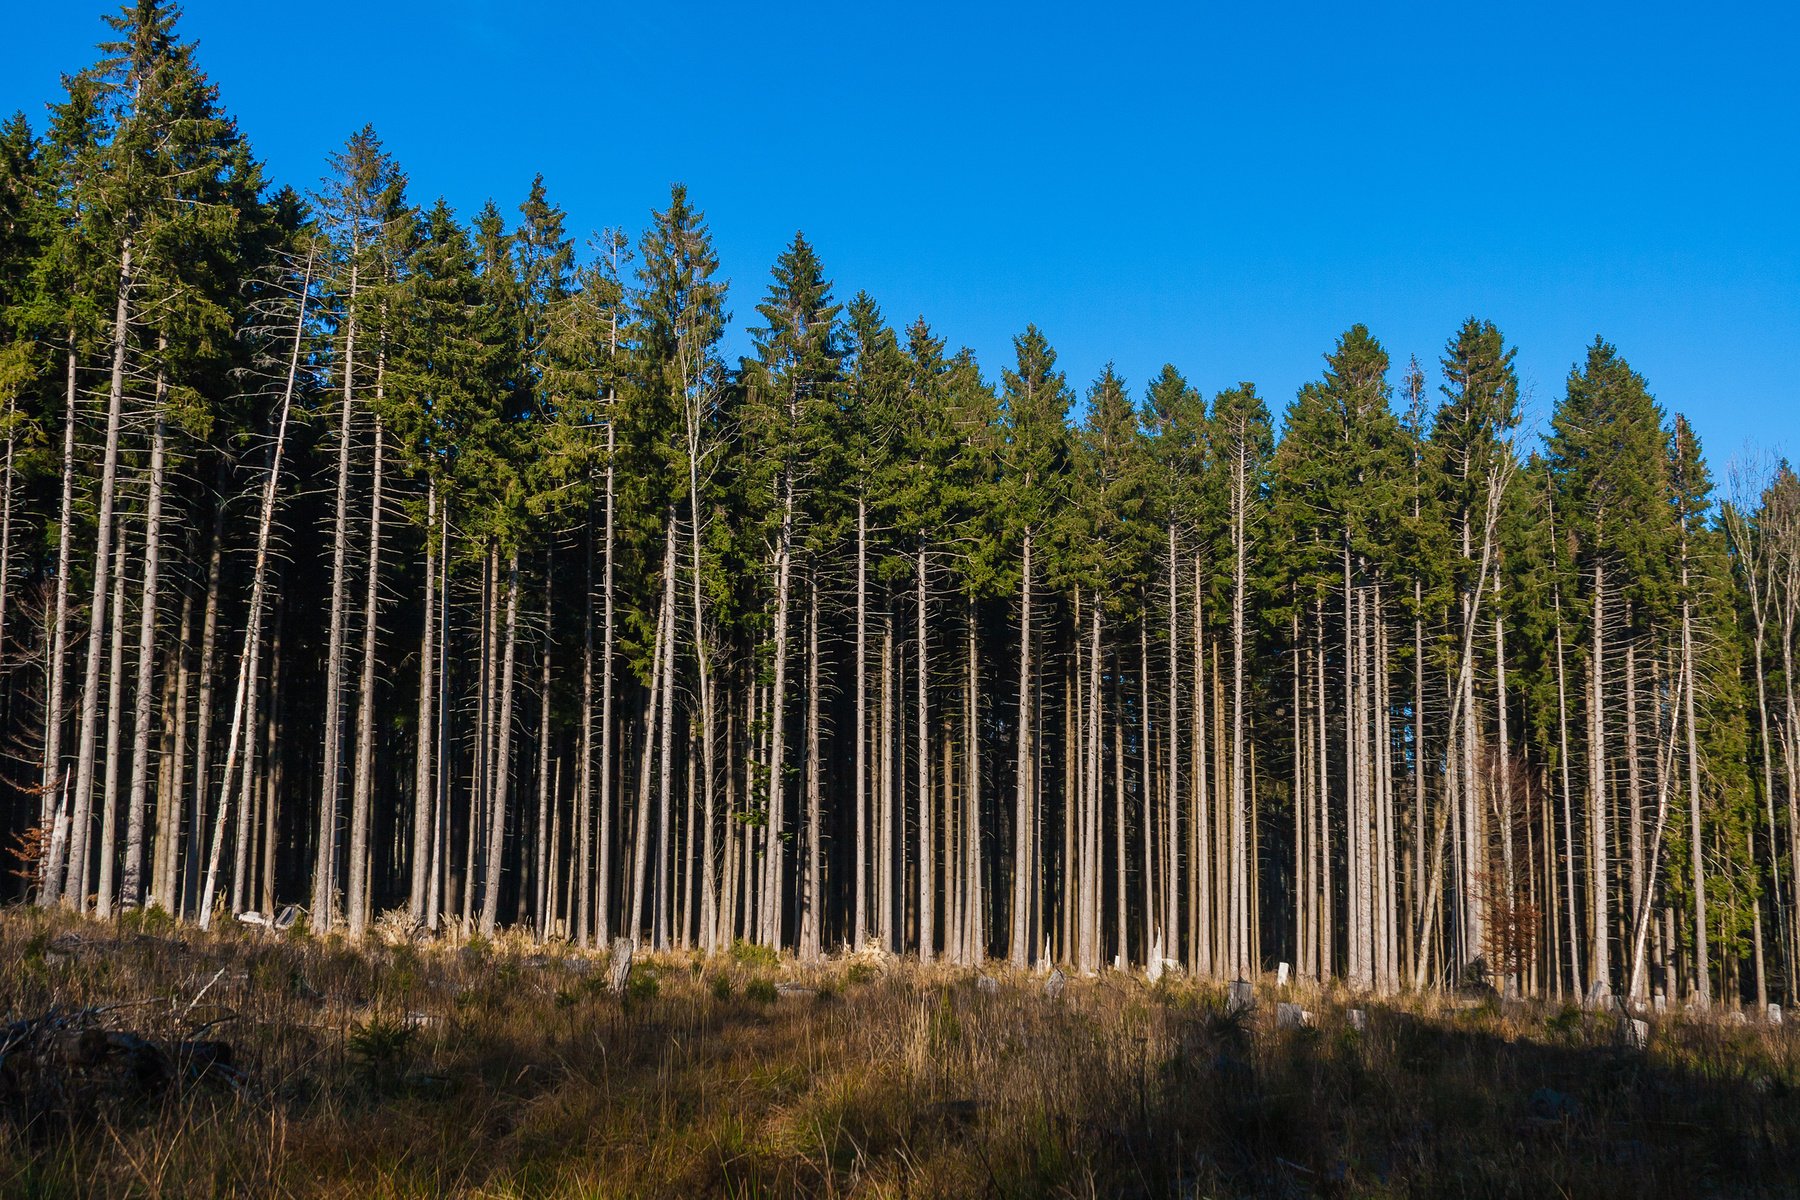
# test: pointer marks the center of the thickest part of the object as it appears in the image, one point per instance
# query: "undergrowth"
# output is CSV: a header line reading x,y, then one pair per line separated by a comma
x,y
506,1069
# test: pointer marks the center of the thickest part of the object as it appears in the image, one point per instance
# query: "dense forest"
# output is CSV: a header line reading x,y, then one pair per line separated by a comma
x,y
401,568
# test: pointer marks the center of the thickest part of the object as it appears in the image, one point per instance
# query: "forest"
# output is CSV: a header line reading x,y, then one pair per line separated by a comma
x,y
400,567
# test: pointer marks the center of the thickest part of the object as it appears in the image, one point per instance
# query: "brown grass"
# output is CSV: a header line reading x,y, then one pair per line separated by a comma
x,y
509,1071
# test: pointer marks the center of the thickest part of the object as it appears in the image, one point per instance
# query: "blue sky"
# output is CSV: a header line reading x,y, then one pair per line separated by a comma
x,y
1223,187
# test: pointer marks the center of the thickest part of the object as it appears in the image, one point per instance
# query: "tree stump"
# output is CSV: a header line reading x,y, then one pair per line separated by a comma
x,y
619,972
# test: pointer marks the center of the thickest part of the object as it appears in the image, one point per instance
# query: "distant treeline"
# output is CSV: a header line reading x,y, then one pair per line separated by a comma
x,y
366,560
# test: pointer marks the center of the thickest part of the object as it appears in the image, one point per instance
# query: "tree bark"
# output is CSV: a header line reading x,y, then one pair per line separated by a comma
x,y
132,880
87,736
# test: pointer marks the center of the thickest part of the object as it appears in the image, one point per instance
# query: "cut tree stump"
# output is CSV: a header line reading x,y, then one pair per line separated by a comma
x,y
619,971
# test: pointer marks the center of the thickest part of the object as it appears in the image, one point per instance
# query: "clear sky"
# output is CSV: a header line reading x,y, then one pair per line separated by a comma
x,y
1226,187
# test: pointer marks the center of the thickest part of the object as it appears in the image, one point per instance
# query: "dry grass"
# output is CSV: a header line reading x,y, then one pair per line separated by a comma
x,y
509,1071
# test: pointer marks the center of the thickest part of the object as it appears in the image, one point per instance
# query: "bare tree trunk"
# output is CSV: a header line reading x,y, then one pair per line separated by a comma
x,y
727,915
1641,918
88,730
1146,793
324,889
647,759
1303,914
860,924
501,766
1240,564
709,881
885,883
811,929
440,784
1201,906
481,749
1121,931
1568,803
422,775
109,812
544,885
1090,856
241,724
132,881
1768,780
53,812
1172,834
1597,792
684,865
1634,820
194,875
974,921
1021,953
271,769
554,897
1416,912
1702,967
1070,886
603,922
927,884
169,799
665,833
773,858
1506,794
703,659
581,903
358,902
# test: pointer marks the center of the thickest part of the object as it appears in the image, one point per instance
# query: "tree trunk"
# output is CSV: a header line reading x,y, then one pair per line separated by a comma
x,y
247,676
859,921
88,731
974,920
1172,834
773,856
358,901
132,881
1702,967
53,811
811,931
422,776
927,884
109,812
1597,792
324,889
543,884
603,922
1020,951
169,798
501,766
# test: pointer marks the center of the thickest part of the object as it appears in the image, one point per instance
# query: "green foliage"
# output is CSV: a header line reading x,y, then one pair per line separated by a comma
x,y
946,1029
642,985
381,1049
753,954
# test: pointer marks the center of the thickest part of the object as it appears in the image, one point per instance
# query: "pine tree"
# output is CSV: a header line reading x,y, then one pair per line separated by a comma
x,y
1034,415
681,317
1606,466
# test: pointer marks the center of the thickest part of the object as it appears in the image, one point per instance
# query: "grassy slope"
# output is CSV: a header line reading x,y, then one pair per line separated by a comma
x,y
506,1071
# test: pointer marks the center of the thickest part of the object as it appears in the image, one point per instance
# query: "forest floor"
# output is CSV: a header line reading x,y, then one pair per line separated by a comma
x,y
145,1060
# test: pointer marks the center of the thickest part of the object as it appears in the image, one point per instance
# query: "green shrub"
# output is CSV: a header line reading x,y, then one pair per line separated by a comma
x,y
381,1049
749,954
642,984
